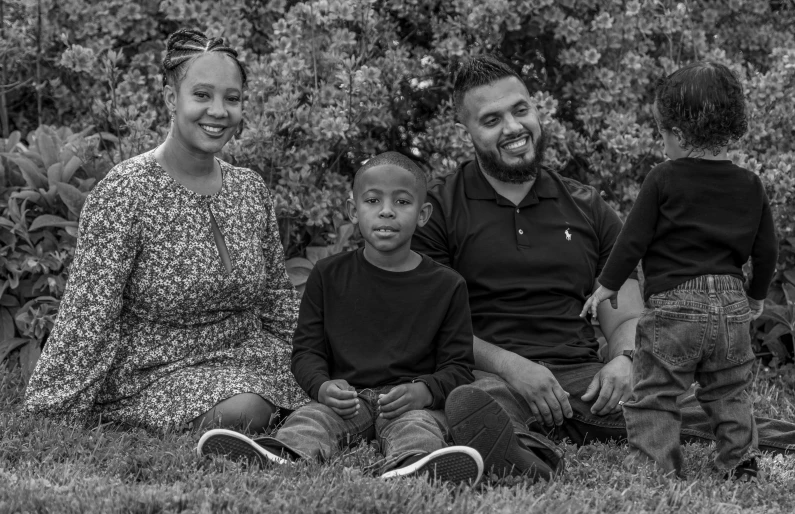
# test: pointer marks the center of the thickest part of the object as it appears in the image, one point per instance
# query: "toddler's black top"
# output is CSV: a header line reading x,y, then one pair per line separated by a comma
x,y
374,327
696,217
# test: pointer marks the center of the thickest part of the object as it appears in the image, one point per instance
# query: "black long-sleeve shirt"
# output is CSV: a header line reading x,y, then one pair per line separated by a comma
x,y
374,327
696,217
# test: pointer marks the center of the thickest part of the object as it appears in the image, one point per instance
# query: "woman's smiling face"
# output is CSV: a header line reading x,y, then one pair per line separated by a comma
x,y
207,104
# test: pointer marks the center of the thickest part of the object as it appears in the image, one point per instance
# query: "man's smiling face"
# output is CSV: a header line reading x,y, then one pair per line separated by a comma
x,y
501,122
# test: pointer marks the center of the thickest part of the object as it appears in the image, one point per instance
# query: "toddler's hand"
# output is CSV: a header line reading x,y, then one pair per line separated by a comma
x,y
600,295
757,307
404,398
340,396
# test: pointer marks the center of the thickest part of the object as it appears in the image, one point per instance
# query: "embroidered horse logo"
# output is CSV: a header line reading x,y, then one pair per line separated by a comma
x,y
568,235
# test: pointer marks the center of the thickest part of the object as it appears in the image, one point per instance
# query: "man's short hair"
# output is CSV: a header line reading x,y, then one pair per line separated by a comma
x,y
477,71
401,161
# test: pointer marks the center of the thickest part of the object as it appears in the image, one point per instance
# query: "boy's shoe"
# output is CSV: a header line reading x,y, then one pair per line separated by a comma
x,y
236,446
745,471
477,420
454,464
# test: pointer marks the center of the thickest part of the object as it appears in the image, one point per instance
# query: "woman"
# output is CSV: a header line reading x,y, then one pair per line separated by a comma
x,y
178,308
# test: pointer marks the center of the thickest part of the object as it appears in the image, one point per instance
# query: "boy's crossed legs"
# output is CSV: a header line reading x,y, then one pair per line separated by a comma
x,y
411,443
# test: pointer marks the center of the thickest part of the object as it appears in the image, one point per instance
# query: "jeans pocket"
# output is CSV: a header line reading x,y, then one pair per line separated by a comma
x,y
739,337
678,333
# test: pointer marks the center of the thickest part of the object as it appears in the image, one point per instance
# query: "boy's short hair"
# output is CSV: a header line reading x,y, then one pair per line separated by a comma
x,y
477,71
401,161
705,101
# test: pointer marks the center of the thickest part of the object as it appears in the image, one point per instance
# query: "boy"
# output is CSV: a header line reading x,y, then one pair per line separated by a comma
x,y
384,334
696,221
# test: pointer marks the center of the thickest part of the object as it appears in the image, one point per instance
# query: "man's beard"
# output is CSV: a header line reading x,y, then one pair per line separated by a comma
x,y
520,173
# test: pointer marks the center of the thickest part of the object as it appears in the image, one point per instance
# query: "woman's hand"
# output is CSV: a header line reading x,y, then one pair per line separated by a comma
x,y
340,396
403,398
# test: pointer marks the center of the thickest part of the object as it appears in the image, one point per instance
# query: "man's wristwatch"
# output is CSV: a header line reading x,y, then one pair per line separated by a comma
x,y
628,353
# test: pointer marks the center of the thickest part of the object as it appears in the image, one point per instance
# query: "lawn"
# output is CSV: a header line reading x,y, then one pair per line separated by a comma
x,y
48,468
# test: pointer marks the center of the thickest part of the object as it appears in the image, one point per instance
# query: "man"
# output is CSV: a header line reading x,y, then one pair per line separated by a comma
x,y
529,244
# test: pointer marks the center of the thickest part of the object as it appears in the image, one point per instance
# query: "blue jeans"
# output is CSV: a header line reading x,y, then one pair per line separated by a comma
x,y
696,331
584,427
314,431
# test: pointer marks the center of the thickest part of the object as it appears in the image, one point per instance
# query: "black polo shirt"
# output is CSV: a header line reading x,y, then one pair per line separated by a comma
x,y
529,267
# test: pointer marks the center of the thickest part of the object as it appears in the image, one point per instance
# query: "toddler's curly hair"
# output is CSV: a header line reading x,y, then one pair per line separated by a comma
x,y
705,101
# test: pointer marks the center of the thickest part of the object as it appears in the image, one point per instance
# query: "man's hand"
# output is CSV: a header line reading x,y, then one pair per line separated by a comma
x,y
340,396
403,398
612,384
600,295
548,402
757,307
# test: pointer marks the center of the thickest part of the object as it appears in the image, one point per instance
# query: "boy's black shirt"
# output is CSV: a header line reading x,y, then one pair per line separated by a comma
x,y
374,327
696,217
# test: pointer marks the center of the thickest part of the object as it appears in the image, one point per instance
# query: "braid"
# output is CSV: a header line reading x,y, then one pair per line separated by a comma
x,y
185,45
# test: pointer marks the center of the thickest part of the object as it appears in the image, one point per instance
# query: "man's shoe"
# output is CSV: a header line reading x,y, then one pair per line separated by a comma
x,y
477,420
745,471
236,446
456,464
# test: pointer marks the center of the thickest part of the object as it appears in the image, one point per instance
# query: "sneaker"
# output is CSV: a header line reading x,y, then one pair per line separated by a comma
x,y
478,421
236,446
456,464
745,471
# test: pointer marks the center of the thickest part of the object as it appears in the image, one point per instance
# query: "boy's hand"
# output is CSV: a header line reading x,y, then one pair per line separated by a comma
x,y
340,396
403,398
757,307
598,297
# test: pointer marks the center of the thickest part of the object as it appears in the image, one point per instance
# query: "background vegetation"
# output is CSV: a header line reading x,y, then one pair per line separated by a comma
x,y
336,81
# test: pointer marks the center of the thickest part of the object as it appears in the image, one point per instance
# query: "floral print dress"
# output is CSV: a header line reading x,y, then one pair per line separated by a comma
x,y
152,329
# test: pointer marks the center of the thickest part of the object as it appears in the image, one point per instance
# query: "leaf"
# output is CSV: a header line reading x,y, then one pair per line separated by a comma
x,y
298,270
776,332
777,313
28,358
30,172
344,233
315,253
790,275
9,345
12,140
789,293
70,168
107,136
72,197
47,149
6,322
50,220
778,349
27,194
55,173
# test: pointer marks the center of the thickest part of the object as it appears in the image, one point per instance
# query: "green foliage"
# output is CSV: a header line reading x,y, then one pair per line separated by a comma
x,y
333,82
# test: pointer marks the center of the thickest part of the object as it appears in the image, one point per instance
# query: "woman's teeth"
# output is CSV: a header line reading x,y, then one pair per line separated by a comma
x,y
214,130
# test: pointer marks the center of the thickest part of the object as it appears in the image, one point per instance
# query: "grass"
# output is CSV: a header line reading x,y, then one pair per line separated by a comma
x,y
49,468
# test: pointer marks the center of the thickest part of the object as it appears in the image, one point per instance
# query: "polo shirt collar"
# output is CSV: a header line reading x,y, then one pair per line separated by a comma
x,y
477,187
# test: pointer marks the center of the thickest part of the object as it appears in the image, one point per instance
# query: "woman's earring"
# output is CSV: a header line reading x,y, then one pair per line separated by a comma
x,y
172,116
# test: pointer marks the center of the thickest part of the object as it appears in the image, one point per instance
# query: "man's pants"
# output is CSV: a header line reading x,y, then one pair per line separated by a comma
x,y
314,431
583,427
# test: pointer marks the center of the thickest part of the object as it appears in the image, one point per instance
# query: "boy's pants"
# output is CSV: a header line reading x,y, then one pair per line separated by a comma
x,y
314,431
698,330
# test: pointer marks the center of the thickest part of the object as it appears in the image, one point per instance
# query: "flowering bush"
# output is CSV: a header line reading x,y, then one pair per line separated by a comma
x,y
332,82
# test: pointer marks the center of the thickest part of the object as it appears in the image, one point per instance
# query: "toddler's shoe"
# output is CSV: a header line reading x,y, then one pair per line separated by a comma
x,y
236,446
745,471
478,421
455,464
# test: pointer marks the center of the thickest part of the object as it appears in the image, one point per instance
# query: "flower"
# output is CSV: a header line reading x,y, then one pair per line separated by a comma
x,y
78,58
591,56
633,7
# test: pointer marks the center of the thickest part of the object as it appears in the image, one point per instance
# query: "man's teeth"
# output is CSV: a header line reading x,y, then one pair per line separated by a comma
x,y
516,144
214,130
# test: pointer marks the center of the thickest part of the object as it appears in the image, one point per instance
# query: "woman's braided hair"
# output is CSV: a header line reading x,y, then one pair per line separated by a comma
x,y
184,46
705,101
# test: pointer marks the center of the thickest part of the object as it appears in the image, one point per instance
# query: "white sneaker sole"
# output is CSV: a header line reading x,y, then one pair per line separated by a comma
x,y
235,446
455,464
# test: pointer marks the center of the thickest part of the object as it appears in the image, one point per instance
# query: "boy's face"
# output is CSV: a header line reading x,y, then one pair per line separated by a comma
x,y
388,205
671,139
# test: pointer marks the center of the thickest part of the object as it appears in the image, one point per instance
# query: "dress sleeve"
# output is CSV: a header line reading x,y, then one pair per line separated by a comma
x,y
454,354
85,339
280,300
635,236
310,350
